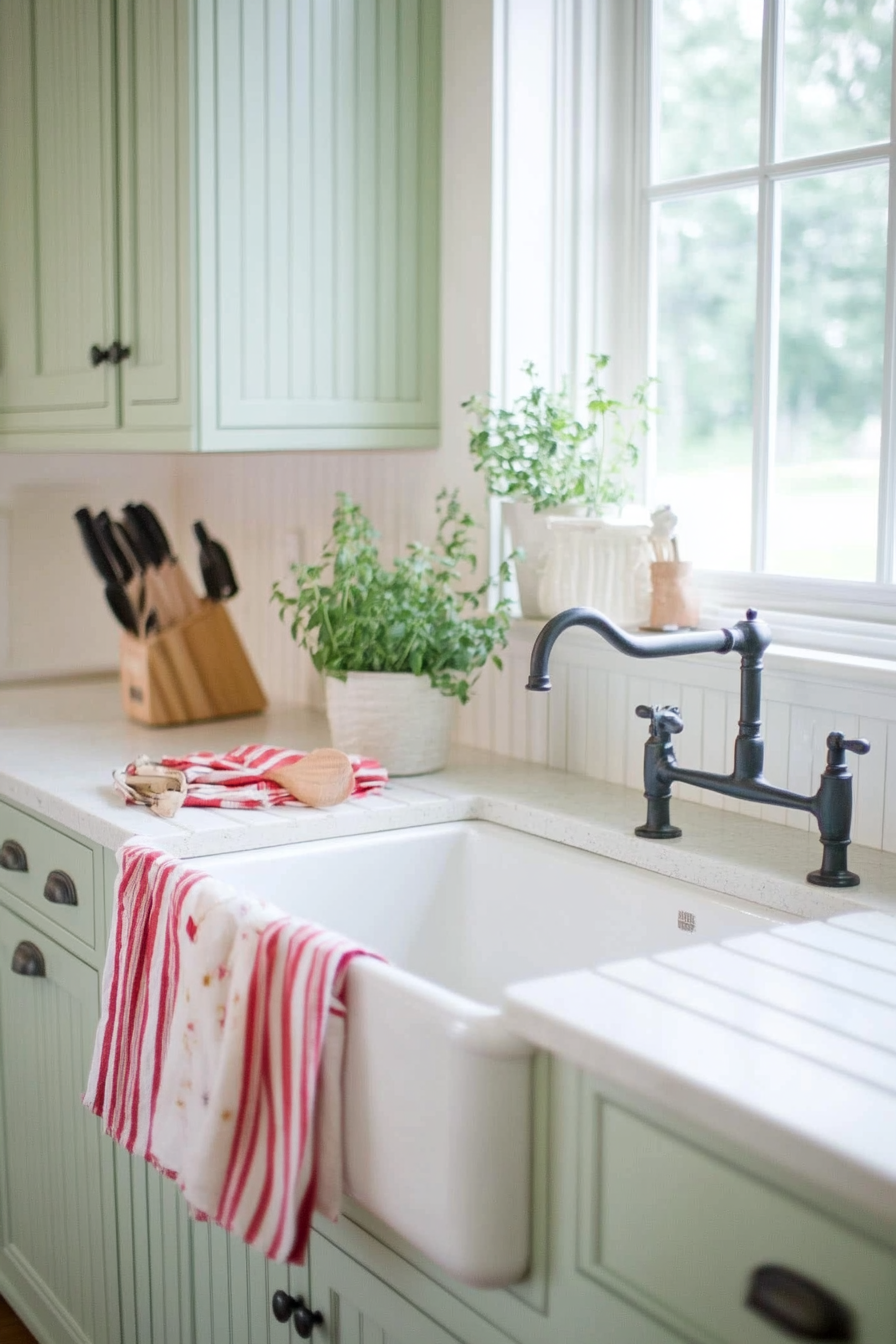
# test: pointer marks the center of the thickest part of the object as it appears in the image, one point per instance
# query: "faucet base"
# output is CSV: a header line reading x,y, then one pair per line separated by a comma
x,y
658,825
822,879
658,832
833,871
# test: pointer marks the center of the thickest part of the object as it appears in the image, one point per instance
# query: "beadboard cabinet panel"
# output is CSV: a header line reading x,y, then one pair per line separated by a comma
x,y
154,211
233,1289
57,214
318,133
359,1308
58,1253
95,224
155,1278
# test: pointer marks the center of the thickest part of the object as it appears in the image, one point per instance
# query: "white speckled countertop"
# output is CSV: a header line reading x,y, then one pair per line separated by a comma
x,y
60,743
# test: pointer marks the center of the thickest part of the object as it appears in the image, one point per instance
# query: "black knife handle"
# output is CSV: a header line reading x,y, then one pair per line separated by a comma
x,y
150,520
144,539
106,533
101,562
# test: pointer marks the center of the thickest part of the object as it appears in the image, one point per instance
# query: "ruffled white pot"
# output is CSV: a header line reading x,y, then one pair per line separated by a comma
x,y
530,531
596,562
395,717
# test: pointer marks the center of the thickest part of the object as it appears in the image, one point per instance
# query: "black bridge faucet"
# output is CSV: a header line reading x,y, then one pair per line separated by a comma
x,y
831,806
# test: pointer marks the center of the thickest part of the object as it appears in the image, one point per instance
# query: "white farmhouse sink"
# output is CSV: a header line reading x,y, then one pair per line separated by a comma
x,y
437,1090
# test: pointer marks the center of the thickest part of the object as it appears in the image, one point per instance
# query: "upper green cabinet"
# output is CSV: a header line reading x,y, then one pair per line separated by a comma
x,y
318,135
244,190
94,224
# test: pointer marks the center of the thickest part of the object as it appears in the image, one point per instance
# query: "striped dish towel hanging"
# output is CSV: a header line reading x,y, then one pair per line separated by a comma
x,y
218,1056
236,778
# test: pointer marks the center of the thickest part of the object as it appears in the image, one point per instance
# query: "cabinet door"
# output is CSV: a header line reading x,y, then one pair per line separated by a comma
x,y
57,226
154,211
359,1308
234,1286
318,135
154,1255
57,1262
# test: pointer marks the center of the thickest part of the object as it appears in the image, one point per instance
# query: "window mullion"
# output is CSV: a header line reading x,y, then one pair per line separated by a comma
x,y
886,505
766,338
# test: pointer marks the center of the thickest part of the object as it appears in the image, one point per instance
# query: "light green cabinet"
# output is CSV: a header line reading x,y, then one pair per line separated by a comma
x,y
233,1288
313,176
57,214
318,142
644,1231
94,223
359,1308
57,1258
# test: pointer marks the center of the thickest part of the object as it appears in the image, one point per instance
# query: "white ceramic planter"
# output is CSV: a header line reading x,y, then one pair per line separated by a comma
x,y
530,531
596,563
393,716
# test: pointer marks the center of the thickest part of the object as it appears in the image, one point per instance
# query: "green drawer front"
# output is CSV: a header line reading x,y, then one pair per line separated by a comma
x,y
48,851
686,1231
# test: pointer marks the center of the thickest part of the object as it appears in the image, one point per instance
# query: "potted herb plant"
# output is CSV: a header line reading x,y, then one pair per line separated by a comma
x,y
543,462
398,645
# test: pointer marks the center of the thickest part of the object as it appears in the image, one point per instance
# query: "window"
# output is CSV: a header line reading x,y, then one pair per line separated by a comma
x,y
772,290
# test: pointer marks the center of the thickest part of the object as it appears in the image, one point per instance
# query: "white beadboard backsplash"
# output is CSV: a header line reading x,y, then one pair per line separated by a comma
x,y
272,509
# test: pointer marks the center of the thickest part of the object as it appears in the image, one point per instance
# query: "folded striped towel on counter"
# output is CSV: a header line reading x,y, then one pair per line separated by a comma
x,y
237,778
219,1050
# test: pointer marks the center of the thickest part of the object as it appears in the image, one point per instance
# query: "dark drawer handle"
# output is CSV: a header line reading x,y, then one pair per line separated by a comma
x,y
60,889
29,960
13,857
798,1306
303,1318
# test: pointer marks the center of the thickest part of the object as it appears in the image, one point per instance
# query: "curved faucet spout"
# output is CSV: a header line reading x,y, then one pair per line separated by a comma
x,y
831,806
636,646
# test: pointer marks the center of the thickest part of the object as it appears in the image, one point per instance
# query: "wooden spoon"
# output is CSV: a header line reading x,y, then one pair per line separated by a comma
x,y
320,779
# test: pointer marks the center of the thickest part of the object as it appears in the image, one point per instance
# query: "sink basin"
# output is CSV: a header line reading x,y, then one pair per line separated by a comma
x,y
437,1136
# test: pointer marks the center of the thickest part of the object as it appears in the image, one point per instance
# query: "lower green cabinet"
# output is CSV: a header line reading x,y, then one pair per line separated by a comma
x,y
233,1288
642,1231
154,1254
357,1307
57,1261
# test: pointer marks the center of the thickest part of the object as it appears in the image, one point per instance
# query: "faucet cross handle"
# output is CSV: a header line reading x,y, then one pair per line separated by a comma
x,y
664,720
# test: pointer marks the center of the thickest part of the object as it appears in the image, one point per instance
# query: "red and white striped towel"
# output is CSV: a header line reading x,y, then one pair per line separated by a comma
x,y
236,779
218,1054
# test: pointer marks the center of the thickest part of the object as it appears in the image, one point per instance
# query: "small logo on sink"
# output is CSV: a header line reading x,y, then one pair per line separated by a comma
x,y
686,921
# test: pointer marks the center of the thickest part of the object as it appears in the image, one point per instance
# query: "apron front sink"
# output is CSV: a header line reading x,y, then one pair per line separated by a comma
x,y
437,1115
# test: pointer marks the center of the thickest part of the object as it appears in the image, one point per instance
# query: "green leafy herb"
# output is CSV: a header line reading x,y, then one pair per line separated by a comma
x,y
353,614
538,451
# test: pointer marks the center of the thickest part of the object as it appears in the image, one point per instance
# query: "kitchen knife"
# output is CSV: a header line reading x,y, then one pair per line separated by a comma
x,y
132,572
217,571
116,596
180,589
161,593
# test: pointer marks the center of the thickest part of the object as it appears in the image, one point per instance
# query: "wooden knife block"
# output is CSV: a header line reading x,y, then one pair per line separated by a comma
x,y
197,669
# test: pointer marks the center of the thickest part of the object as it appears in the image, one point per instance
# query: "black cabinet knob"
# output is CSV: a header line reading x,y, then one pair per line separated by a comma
x,y
303,1318
13,857
29,960
798,1306
118,352
98,355
60,889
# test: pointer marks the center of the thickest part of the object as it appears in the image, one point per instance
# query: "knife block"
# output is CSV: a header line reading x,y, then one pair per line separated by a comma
x,y
194,670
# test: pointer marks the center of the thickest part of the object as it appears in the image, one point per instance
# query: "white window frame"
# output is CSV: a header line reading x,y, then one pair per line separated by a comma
x,y
834,614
